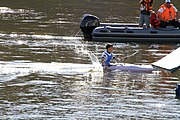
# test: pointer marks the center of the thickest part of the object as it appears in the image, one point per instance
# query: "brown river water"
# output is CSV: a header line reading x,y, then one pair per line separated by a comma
x,y
44,72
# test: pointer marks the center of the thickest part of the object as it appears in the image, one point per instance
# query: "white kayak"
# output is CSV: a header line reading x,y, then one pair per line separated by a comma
x,y
132,67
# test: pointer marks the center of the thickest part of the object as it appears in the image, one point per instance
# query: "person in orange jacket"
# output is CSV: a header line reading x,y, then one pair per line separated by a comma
x,y
145,8
168,15
155,23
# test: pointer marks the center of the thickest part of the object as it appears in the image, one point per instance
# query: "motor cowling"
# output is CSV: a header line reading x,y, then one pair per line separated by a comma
x,y
88,24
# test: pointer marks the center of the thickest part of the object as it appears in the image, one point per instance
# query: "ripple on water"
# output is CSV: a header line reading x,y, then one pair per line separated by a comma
x,y
33,89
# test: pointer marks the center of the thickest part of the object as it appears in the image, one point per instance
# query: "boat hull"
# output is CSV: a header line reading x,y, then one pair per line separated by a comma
x,y
135,34
93,30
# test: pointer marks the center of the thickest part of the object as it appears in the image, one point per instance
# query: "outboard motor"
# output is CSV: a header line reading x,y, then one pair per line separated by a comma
x,y
88,24
178,91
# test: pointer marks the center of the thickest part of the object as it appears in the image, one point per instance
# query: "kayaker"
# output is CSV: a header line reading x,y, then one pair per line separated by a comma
x,y
168,15
145,8
107,56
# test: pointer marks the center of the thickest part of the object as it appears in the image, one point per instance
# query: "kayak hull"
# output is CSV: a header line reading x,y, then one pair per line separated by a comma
x,y
132,67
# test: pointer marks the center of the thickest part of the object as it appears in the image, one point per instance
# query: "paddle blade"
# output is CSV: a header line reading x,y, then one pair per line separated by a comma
x,y
170,62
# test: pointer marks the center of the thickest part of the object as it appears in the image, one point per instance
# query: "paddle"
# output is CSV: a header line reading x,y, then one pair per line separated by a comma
x,y
122,59
131,55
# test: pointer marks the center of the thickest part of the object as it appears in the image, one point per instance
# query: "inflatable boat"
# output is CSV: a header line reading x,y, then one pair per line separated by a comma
x,y
125,32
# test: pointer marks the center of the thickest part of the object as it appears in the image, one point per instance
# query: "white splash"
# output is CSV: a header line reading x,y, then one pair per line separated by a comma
x,y
95,62
6,10
14,69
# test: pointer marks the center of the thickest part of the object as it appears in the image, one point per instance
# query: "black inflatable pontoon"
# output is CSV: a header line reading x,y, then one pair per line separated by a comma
x,y
125,32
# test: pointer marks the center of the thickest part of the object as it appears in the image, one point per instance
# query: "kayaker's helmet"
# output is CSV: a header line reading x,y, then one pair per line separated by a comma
x,y
167,1
88,24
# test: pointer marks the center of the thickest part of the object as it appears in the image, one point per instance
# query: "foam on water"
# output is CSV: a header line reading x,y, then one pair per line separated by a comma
x,y
19,69
6,10
23,68
13,69
47,37
104,95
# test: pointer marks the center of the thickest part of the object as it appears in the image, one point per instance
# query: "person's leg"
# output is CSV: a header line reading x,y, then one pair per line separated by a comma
x,y
163,24
141,20
147,20
175,23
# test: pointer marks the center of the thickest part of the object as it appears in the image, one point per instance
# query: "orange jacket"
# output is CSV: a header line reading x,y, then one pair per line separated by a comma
x,y
148,4
168,13
154,21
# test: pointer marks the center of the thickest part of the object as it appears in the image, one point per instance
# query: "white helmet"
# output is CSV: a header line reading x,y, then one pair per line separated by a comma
x,y
167,1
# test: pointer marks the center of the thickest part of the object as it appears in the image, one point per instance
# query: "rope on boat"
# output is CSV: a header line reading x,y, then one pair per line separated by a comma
x,y
77,33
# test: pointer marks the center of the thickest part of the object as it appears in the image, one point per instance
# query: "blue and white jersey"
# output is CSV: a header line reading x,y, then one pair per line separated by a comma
x,y
108,57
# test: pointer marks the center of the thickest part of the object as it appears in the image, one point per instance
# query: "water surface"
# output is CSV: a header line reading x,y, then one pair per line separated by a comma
x,y
37,37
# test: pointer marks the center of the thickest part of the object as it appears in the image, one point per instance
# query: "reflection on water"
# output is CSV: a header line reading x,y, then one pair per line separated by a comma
x,y
45,74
